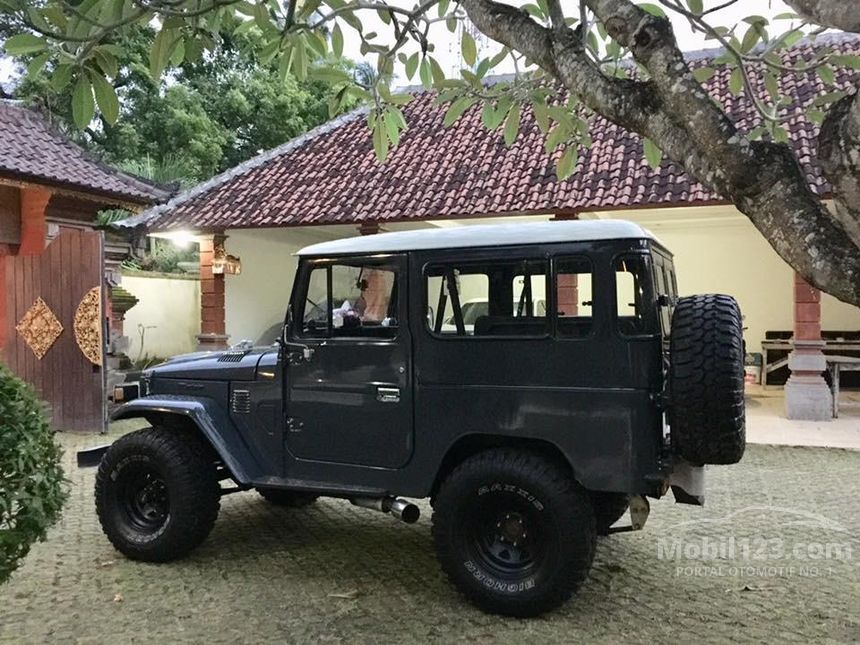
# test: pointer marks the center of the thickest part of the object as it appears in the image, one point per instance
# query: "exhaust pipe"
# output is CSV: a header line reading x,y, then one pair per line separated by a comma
x,y
399,508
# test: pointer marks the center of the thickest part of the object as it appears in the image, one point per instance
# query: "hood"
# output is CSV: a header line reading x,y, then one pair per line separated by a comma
x,y
227,365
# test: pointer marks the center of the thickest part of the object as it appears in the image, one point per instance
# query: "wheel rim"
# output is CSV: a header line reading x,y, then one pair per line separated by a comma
x,y
144,499
504,537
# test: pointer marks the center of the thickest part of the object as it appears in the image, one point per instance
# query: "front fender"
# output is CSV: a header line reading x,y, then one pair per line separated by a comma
x,y
212,421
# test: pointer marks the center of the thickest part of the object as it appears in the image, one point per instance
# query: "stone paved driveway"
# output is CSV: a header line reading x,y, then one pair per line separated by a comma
x,y
774,556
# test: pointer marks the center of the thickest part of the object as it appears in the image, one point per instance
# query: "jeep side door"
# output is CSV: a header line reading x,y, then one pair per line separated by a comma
x,y
349,398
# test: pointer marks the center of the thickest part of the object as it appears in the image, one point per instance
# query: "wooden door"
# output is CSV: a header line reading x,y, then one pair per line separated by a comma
x,y
55,322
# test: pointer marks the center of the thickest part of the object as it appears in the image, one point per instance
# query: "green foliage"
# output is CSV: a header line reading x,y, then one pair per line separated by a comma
x,y
32,488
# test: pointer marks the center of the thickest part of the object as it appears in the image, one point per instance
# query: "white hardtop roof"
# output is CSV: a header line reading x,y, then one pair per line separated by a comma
x,y
483,235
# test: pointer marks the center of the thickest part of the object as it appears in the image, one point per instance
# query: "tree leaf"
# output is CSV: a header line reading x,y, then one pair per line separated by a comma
x,y
380,140
159,55
851,61
456,110
736,81
653,154
653,9
825,73
83,105
411,65
567,163
331,75
702,74
105,97
337,41
61,77
512,125
559,134
695,6
425,73
436,70
541,115
22,44
468,48
35,66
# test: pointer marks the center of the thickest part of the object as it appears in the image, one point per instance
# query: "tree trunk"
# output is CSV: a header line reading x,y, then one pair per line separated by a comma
x,y
762,179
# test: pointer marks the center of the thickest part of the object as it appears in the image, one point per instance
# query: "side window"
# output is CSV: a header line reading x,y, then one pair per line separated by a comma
x,y
498,298
573,283
356,300
634,313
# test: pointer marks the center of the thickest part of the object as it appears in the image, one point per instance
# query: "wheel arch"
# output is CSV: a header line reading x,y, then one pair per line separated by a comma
x,y
203,418
471,444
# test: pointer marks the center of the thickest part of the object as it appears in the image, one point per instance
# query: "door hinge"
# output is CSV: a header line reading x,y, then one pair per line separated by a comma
x,y
295,425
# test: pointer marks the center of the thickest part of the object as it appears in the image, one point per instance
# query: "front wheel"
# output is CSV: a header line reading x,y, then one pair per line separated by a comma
x,y
514,532
157,494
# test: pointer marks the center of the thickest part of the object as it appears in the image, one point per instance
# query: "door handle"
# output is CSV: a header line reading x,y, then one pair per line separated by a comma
x,y
388,395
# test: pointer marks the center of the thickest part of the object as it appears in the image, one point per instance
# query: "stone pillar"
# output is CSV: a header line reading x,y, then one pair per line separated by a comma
x,y
34,227
807,396
213,326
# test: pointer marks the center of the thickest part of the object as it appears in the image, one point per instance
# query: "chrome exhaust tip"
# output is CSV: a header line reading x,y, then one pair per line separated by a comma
x,y
401,509
405,511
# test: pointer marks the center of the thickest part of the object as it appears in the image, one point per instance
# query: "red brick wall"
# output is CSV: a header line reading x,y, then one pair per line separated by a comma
x,y
807,310
212,318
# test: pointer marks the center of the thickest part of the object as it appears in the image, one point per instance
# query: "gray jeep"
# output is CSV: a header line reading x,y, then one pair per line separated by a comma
x,y
582,387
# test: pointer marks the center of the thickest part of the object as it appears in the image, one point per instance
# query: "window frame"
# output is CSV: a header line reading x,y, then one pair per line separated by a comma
x,y
650,316
308,265
544,258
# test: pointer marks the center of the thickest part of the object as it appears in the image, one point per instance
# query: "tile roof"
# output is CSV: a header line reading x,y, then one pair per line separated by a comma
x,y
330,175
32,150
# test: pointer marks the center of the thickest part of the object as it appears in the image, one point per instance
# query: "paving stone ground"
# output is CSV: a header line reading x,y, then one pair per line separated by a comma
x,y
782,529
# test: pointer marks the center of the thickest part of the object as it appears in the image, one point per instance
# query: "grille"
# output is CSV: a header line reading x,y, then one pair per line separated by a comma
x,y
240,402
231,357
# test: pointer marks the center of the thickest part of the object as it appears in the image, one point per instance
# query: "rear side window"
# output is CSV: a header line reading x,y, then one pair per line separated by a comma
x,y
495,298
573,286
351,300
633,311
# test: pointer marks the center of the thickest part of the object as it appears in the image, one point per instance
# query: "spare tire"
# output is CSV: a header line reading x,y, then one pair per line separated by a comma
x,y
706,406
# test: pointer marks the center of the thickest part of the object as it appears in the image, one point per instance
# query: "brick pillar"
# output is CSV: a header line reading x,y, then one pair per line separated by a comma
x,y
213,327
806,393
567,288
34,228
4,251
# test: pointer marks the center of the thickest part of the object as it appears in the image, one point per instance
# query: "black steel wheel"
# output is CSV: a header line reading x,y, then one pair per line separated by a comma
x,y
514,532
157,494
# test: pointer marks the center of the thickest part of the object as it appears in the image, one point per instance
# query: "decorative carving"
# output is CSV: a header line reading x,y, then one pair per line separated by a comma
x,y
222,262
39,328
88,326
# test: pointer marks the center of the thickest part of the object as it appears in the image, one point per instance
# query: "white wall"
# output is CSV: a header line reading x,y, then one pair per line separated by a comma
x,y
717,250
257,298
170,307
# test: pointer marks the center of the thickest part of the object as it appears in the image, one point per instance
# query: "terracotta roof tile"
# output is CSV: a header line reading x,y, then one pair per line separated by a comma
x,y
30,149
330,175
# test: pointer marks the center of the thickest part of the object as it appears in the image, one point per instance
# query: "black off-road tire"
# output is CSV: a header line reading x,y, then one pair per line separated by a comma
x,y
175,469
706,411
608,509
483,507
287,498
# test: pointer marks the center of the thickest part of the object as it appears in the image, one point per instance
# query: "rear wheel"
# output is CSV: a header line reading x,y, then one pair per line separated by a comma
x,y
157,494
289,498
514,532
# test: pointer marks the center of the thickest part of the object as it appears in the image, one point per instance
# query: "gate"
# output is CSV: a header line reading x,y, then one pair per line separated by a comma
x,y
55,321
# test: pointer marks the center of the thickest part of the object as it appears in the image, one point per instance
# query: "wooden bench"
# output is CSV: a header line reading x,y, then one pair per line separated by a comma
x,y
835,365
